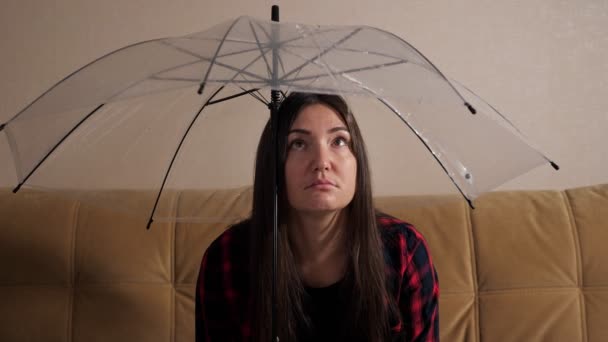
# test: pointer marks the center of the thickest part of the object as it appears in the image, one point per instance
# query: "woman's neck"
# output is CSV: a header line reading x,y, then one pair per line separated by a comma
x,y
318,241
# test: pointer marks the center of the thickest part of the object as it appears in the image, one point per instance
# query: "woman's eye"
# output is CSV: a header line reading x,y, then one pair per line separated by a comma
x,y
340,141
297,145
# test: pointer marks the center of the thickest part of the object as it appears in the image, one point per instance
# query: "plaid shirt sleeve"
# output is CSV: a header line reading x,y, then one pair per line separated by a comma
x,y
415,279
221,299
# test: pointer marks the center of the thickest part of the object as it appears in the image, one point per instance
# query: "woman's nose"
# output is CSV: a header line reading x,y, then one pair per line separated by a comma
x,y
321,158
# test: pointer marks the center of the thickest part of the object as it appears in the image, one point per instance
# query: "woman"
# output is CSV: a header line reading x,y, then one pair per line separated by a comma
x,y
346,271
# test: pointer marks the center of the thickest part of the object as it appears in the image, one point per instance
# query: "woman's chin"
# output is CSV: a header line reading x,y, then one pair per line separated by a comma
x,y
320,202
321,207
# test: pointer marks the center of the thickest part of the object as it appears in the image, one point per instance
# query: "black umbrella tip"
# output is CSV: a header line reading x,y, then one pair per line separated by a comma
x,y
149,223
471,108
555,166
275,13
17,188
470,203
201,88
2,127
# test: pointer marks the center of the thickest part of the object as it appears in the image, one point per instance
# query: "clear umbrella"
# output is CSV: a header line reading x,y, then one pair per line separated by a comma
x,y
127,116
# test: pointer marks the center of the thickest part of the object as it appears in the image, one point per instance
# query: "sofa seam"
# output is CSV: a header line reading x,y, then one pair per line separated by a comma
x,y
579,262
173,265
476,317
72,282
544,289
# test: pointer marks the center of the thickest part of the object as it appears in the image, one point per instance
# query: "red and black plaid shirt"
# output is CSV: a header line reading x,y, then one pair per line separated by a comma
x,y
224,308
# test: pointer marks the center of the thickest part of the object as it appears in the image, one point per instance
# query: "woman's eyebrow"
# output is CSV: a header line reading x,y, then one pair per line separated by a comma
x,y
337,129
299,130
307,132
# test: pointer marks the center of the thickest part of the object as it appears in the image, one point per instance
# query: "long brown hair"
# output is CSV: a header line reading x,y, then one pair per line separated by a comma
x,y
370,306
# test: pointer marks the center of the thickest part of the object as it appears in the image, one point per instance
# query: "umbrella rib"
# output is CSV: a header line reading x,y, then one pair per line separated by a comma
x,y
175,67
239,72
283,68
396,112
267,36
226,40
553,164
279,44
266,102
252,43
285,42
279,59
345,72
154,75
257,95
323,64
55,147
282,43
228,54
75,72
242,72
289,86
151,77
325,51
371,67
340,73
370,53
219,80
343,49
255,35
208,102
432,66
244,92
399,60
254,94
179,146
212,62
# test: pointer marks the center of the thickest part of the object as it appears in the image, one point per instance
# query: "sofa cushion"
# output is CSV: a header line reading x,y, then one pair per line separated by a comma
x,y
523,265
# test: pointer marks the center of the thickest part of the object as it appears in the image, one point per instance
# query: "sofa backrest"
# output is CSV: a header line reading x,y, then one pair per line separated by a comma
x,y
522,266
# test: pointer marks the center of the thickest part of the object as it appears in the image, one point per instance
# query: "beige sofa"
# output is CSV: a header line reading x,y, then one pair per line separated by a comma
x,y
523,266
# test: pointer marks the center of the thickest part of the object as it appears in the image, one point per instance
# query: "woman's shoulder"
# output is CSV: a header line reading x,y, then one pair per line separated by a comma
x,y
395,232
233,240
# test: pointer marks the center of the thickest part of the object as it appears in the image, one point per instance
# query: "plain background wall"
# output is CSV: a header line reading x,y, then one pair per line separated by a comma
x,y
544,63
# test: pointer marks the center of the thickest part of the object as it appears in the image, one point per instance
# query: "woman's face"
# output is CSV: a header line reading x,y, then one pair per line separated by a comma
x,y
320,170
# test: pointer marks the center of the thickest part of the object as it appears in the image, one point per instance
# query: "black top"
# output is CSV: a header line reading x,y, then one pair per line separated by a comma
x,y
326,310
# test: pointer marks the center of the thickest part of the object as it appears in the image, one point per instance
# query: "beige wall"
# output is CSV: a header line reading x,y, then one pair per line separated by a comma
x,y
544,63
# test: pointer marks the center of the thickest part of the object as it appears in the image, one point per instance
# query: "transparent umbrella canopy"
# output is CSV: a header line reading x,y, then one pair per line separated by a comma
x,y
157,116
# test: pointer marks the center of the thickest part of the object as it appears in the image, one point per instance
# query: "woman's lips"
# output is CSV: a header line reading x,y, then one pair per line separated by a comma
x,y
322,184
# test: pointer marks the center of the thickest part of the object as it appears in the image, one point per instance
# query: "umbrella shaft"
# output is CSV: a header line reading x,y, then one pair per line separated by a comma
x,y
275,96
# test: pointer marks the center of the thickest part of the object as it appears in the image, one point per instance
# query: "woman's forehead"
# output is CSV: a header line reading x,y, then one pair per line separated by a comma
x,y
318,116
